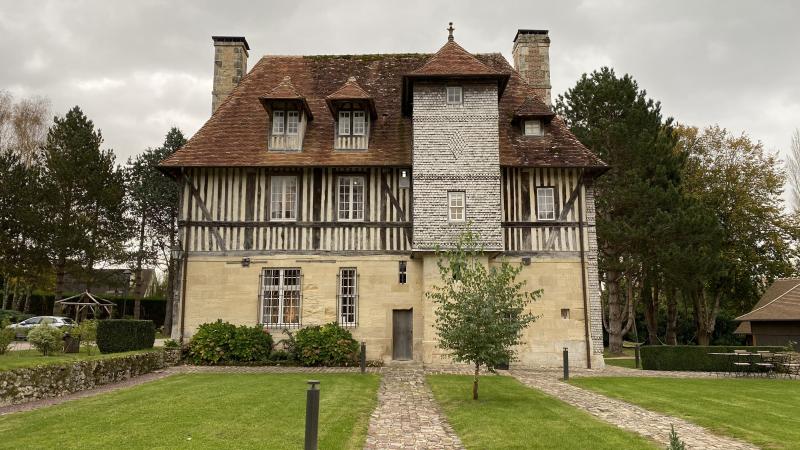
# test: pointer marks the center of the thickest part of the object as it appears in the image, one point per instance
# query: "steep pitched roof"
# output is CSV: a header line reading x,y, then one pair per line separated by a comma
x,y
351,90
781,301
285,90
235,136
453,60
533,106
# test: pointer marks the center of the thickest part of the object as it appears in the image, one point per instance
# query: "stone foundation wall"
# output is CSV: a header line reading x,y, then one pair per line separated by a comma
x,y
55,380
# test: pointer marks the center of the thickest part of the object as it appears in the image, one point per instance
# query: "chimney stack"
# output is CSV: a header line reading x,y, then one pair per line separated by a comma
x,y
532,60
230,65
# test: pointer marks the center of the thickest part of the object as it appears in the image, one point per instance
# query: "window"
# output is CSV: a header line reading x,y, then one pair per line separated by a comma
x,y
280,302
533,128
565,313
454,96
283,198
285,122
403,268
344,123
348,297
351,198
359,123
456,207
545,203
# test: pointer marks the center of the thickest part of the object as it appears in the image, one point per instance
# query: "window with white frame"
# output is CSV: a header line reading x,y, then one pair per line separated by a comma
x,y
533,128
285,122
359,123
281,297
351,198
454,95
545,203
456,205
344,123
348,297
352,123
283,198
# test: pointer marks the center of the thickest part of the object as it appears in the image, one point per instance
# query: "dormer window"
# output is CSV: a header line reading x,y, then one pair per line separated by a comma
x,y
533,128
288,114
454,95
285,122
352,128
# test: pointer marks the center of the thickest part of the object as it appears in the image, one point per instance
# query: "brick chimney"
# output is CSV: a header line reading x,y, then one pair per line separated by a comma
x,y
230,65
532,59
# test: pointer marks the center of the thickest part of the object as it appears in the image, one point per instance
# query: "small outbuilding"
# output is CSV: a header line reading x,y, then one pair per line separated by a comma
x,y
775,320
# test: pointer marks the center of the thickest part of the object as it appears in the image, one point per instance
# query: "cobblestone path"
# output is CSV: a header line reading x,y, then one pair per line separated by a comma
x,y
407,417
624,415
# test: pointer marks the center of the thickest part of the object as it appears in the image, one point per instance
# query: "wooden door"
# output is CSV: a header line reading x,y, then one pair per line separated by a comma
x,y
402,334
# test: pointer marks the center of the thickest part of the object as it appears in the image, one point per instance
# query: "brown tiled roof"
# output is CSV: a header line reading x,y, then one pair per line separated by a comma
x,y
236,135
453,60
781,301
285,90
351,90
533,106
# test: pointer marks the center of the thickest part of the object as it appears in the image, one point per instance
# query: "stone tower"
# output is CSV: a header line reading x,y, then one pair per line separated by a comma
x,y
230,65
532,59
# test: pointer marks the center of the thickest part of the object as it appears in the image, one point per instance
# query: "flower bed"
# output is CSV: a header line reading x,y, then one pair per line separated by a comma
x,y
55,380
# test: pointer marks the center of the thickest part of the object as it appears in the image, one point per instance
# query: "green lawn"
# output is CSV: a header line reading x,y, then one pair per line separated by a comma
x,y
509,415
763,412
29,358
204,411
629,363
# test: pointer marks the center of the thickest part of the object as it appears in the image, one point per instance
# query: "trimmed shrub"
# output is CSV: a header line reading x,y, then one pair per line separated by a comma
x,y
7,336
114,336
224,343
46,339
13,316
327,345
692,358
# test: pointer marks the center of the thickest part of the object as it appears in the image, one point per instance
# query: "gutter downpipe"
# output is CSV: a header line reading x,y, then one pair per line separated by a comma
x,y
583,273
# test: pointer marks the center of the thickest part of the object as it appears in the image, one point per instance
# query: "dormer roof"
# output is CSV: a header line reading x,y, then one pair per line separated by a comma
x,y
533,108
285,91
349,92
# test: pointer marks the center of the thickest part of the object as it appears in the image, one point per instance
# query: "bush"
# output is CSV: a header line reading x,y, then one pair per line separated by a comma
x,y
693,358
171,344
124,335
222,343
87,333
13,316
7,336
46,339
328,345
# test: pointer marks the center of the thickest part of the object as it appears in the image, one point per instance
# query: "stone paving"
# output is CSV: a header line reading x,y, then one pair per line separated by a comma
x,y
625,415
407,417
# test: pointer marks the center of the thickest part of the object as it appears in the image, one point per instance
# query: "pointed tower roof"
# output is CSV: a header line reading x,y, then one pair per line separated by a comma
x,y
351,91
285,91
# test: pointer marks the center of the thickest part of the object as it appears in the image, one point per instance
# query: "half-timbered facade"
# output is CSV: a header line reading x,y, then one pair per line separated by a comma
x,y
321,187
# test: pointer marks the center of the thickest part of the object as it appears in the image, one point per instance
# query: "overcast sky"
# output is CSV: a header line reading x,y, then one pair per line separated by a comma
x,y
139,67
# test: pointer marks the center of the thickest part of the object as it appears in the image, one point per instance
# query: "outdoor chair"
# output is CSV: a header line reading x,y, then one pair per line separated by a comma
x,y
765,366
791,367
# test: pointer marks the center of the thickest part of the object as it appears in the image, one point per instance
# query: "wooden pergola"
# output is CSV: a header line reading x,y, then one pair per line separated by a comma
x,y
86,300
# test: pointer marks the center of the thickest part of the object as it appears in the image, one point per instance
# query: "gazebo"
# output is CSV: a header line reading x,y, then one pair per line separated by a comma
x,y
87,300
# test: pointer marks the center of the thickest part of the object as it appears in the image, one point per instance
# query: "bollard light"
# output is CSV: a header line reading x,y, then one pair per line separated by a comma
x,y
566,364
312,415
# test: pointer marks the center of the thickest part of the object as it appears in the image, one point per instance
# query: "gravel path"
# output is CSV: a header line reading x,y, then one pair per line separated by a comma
x,y
624,415
407,417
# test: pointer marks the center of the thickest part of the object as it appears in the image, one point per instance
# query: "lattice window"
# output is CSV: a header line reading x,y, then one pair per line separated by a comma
x,y
347,304
351,198
292,121
278,122
456,206
281,298
283,198
545,203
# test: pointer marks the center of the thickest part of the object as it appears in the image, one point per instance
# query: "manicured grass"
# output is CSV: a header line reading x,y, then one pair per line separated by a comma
x,y
28,358
509,415
761,411
626,351
619,362
203,411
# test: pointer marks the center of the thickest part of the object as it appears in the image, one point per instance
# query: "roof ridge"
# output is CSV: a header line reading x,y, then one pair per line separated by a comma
x,y
771,301
453,46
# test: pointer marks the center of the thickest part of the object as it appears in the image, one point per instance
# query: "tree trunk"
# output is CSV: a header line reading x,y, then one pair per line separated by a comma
x,y
15,303
672,317
475,382
705,316
6,304
614,315
137,285
61,265
650,300
27,308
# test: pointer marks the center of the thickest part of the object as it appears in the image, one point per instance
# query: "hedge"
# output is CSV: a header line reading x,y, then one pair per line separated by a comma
x,y
114,336
41,304
692,358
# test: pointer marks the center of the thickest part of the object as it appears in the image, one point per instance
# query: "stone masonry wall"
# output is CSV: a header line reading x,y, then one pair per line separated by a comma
x,y
531,54
456,148
54,380
595,306
230,65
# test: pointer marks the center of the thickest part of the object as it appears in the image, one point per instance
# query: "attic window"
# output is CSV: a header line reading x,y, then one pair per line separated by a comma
x,y
454,95
285,122
533,128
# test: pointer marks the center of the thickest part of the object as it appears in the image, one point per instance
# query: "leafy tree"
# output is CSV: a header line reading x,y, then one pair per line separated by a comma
x,y
740,185
84,207
153,205
617,120
481,311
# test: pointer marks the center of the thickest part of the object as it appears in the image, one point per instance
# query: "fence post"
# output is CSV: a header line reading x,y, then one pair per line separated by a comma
x,y
637,356
566,364
363,356
312,415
